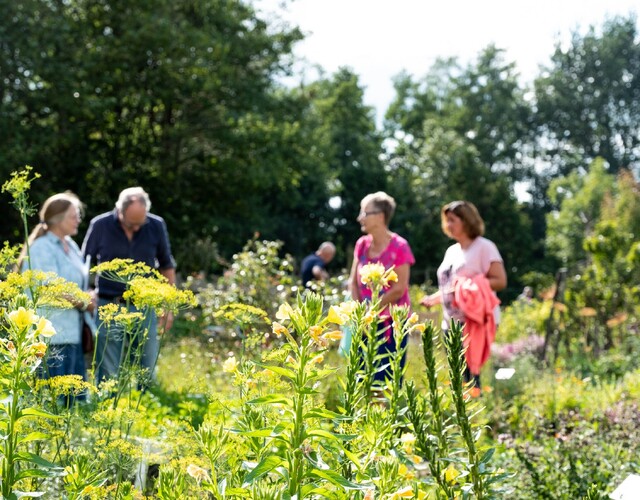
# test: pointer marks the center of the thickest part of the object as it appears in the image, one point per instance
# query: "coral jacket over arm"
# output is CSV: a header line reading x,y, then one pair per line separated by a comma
x,y
477,301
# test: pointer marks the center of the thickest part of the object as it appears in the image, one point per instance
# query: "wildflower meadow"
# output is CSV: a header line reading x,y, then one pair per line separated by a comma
x,y
265,390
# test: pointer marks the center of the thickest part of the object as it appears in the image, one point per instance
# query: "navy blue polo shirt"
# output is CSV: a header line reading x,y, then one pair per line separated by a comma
x,y
106,240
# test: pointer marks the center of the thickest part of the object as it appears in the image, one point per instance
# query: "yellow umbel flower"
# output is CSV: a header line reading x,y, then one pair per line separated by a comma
x,y
157,294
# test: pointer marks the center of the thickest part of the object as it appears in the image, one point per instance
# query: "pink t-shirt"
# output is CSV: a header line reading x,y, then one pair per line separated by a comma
x,y
397,253
476,259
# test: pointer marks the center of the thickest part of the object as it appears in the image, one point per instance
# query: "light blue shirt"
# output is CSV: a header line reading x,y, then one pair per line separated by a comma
x,y
47,254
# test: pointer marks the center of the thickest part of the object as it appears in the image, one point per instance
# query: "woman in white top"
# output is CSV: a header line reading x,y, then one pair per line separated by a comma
x,y
472,254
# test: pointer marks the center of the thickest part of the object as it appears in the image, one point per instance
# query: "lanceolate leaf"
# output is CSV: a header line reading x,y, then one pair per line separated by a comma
x,y
264,467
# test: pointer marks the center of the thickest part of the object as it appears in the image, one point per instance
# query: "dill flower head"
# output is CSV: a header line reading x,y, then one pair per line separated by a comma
x,y
124,270
241,314
20,182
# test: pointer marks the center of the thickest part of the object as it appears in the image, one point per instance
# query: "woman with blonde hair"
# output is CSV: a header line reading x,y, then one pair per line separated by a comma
x,y
51,249
379,245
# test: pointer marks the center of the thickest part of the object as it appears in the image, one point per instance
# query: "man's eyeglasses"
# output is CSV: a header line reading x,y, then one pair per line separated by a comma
x,y
367,214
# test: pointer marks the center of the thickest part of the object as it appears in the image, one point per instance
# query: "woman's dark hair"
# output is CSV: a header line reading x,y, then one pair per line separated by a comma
x,y
468,213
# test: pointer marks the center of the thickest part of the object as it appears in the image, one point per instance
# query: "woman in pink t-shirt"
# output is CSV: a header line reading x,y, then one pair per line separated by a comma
x,y
472,254
380,245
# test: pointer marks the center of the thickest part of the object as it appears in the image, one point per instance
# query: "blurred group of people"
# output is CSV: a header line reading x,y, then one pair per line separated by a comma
x,y
471,273
129,231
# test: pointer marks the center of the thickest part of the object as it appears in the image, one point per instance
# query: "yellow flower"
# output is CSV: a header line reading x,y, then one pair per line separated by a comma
x,y
371,274
391,276
370,495
39,349
421,327
413,319
335,316
198,473
368,318
278,329
408,440
230,365
406,492
45,328
318,359
284,312
333,335
450,474
23,318
315,332
405,472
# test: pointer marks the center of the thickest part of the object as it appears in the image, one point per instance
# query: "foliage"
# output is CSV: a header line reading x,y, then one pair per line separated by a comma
x,y
586,98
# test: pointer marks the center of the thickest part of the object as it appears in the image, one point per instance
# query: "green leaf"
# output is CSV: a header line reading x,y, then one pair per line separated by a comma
x,y
324,434
487,456
265,466
336,479
34,473
324,413
261,433
271,399
34,412
34,436
26,456
25,494
285,372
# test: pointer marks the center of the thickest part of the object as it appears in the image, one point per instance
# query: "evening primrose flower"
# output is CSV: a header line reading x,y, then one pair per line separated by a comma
x,y
408,440
39,349
450,474
406,492
230,365
45,328
317,359
284,312
413,319
333,335
340,314
406,473
278,329
197,473
373,275
315,332
23,318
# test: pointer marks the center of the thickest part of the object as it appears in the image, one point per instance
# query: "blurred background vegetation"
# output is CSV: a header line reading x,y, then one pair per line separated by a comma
x,y
184,97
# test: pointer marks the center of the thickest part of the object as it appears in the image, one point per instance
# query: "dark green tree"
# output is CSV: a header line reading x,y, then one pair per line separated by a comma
x,y
588,99
176,96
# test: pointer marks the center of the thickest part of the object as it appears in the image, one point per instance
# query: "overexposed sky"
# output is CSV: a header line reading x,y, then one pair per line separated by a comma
x,y
380,38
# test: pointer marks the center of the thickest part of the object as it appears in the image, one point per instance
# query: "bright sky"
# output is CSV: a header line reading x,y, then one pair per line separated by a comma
x,y
379,38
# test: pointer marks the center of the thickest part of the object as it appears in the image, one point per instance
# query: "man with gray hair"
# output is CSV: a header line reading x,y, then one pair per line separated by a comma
x,y
128,232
